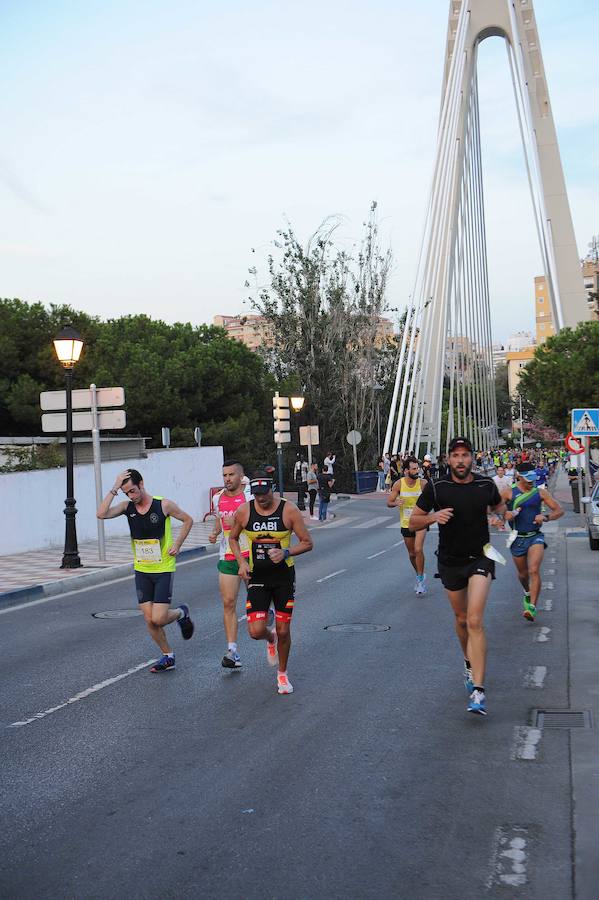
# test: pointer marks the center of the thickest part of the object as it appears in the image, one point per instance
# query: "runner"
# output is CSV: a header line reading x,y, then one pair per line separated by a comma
x,y
226,505
404,495
268,523
459,503
526,541
154,557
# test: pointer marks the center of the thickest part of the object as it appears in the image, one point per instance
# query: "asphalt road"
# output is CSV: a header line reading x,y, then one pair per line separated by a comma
x,y
371,780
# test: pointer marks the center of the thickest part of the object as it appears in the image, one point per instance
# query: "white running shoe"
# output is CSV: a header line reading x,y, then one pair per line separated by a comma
x,y
421,585
271,649
284,686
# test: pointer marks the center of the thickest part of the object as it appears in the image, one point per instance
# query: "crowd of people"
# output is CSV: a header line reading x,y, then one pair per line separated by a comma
x,y
461,494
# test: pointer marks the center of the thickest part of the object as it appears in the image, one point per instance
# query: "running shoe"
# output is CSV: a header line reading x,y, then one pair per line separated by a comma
x,y
271,649
284,686
477,703
421,585
468,679
185,623
165,663
529,609
231,660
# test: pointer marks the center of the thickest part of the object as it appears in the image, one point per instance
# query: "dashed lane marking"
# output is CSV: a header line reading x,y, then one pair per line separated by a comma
x,y
332,575
83,694
534,677
547,585
525,742
546,604
372,523
374,555
510,857
542,635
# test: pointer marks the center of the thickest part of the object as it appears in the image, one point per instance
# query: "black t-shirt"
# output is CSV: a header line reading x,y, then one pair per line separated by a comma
x,y
323,486
465,534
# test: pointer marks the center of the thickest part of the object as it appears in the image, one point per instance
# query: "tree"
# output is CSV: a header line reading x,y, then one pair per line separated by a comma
x,y
324,307
502,397
563,375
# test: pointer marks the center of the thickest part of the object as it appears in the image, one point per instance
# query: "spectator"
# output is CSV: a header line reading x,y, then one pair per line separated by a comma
x,y
312,481
329,462
300,476
325,483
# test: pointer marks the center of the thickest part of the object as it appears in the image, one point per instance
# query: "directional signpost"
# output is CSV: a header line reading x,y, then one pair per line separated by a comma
x,y
282,430
94,419
309,437
585,424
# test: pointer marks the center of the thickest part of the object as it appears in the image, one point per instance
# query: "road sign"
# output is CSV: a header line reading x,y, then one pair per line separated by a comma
x,y
353,438
51,401
309,436
281,416
197,433
110,420
166,436
573,445
585,422
538,445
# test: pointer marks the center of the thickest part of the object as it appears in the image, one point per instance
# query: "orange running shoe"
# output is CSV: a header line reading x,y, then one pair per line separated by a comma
x,y
284,686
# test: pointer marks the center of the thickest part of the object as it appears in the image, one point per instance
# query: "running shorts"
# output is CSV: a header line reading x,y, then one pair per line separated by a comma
x,y
228,566
455,578
523,543
405,532
154,587
277,589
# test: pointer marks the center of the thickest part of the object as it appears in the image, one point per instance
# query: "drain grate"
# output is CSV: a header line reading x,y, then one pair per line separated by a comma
x,y
117,614
562,718
357,627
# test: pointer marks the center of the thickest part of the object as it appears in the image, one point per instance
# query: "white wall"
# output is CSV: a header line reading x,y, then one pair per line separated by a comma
x,y
32,503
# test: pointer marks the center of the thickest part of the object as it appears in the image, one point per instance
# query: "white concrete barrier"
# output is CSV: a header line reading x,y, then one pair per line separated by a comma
x,y
32,503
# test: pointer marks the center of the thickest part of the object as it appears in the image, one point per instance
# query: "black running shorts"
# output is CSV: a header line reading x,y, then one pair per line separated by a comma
x,y
455,578
276,589
154,587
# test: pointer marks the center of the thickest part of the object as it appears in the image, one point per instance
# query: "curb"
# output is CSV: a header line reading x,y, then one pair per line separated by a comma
x,y
91,579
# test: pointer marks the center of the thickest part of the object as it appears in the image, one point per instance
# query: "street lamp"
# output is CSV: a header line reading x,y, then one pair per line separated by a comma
x,y
68,345
297,403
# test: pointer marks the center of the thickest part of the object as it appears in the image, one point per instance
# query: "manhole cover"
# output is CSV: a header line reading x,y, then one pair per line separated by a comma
x,y
357,626
561,718
117,614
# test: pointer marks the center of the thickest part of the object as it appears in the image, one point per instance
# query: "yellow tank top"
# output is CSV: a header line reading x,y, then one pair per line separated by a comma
x,y
409,495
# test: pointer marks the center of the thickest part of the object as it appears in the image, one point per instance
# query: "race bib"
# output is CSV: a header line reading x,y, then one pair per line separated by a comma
x,y
261,549
148,551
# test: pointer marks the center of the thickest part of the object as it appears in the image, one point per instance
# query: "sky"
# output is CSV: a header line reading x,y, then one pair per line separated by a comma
x,y
151,150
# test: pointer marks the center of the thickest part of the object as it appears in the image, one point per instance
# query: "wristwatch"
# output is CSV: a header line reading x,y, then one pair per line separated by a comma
x,y
286,553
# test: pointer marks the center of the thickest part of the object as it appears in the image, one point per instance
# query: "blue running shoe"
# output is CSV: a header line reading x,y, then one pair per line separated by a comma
x,y
164,664
477,703
185,623
468,679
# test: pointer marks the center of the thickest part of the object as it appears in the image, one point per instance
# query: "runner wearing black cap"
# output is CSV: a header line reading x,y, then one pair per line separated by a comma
x,y
459,502
268,523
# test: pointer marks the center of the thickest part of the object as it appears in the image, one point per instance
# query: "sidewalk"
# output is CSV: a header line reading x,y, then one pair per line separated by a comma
x,y
38,573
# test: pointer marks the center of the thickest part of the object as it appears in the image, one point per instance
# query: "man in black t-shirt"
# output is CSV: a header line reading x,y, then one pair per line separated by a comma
x,y
459,502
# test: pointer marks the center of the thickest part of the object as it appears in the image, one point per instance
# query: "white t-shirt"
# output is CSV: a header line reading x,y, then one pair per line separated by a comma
x,y
328,461
503,484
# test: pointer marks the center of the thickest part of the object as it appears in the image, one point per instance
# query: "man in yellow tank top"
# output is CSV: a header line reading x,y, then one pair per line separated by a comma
x,y
404,494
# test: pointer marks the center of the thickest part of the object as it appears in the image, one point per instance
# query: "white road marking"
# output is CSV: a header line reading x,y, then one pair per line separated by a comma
x,y
372,523
547,585
395,525
535,677
508,866
93,587
83,694
546,604
550,571
374,555
542,635
551,559
335,523
398,544
332,575
525,742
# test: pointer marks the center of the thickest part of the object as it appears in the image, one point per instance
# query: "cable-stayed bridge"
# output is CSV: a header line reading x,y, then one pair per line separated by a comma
x,y
447,336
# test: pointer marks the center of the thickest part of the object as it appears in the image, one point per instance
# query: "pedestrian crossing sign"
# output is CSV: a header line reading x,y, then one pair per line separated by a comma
x,y
585,422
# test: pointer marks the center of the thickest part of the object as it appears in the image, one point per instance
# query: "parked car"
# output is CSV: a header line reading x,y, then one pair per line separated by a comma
x,y
591,511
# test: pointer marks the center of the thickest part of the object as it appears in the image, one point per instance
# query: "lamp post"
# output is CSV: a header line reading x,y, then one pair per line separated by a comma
x,y
68,345
297,404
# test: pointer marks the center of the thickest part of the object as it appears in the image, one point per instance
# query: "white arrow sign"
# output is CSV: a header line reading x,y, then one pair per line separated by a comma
x,y
56,423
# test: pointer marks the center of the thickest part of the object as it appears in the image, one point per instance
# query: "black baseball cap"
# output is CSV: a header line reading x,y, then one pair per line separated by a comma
x,y
460,442
260,485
